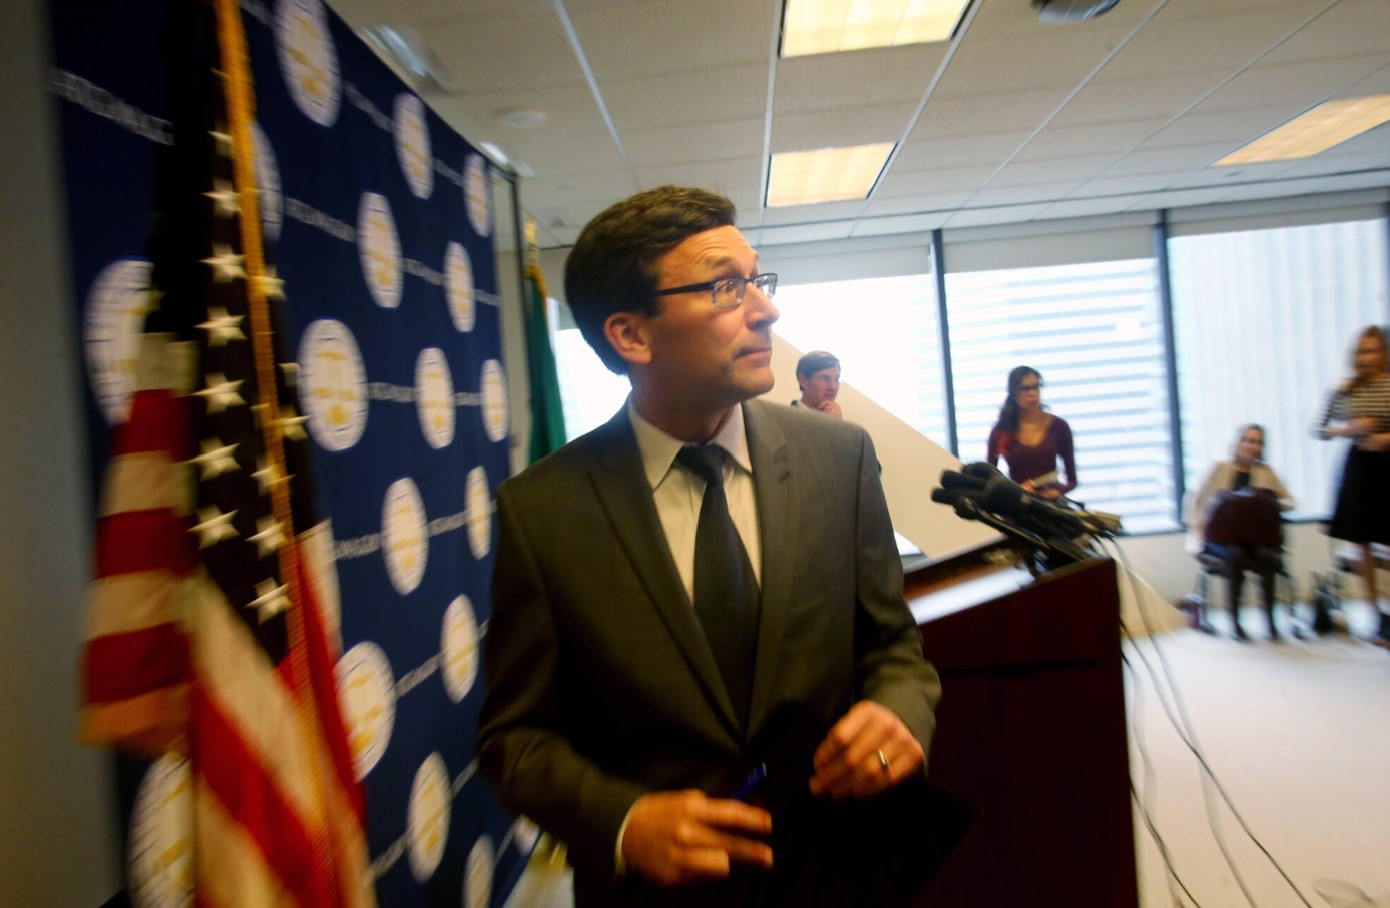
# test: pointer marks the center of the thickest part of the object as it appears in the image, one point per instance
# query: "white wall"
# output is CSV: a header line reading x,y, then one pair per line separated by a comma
x,y
58,839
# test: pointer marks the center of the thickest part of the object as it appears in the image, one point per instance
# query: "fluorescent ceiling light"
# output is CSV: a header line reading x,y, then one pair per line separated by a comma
x,y
827,26
1328,124
825,175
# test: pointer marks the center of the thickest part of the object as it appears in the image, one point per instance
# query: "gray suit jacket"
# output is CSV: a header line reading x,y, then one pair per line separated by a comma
x,y
601,686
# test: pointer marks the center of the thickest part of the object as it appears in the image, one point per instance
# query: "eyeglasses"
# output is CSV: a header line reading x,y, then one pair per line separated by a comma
x,y
727,292
1037,387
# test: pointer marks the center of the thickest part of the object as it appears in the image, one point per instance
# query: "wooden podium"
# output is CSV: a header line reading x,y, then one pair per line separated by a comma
x,y
1031,729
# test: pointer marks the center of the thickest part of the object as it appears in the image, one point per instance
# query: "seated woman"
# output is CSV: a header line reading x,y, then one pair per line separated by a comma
x,y
1031,439
1246,471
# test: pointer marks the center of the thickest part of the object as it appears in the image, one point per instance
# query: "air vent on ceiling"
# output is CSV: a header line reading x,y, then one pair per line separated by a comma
x,y
1072,10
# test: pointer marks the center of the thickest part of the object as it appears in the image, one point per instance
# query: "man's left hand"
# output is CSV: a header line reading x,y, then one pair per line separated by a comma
x,y
830,408
867,752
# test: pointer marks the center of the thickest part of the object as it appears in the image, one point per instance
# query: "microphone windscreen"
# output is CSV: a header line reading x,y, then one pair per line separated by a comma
x,y
1003,496
953,480
983,470
945,496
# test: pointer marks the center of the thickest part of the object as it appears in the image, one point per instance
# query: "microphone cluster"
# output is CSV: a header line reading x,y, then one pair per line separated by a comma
x,y
980,492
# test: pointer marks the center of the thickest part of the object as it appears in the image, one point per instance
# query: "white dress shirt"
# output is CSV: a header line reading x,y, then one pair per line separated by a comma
x,y
678,493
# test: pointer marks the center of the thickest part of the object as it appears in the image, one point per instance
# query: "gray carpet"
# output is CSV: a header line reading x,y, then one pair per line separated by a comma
x,y
1297,734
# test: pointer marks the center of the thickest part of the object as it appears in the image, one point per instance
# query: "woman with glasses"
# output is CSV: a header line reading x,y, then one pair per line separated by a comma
x,y
1031,440
1359,409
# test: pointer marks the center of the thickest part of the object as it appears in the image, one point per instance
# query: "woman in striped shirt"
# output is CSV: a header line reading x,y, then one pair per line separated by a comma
x,y
1359,409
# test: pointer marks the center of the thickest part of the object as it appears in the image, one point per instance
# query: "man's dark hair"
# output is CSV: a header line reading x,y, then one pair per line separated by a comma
x,y
815,361
612,267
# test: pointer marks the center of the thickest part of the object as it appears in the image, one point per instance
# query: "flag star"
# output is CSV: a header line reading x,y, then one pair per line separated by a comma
x,y
291,425
269,476
215,527
291,372
220,393
272,286
216,459
223,140
269,537
226,264
225,198
222,327
270,599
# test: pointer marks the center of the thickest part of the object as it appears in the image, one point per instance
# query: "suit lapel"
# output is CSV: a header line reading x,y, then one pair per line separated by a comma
x,y
779,520
621,486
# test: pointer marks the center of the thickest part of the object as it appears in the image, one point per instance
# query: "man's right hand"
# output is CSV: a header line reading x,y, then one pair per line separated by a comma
x,y
675,837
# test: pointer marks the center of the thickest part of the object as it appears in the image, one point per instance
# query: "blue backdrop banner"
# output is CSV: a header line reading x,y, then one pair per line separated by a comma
x,y
379,219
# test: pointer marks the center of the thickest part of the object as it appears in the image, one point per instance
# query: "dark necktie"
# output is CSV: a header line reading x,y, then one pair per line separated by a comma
x,y
726,592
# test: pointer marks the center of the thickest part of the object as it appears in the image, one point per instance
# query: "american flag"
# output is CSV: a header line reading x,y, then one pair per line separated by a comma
x,y
210,627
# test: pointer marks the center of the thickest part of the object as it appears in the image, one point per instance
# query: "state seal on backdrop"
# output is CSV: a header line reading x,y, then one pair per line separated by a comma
x,y
332,384
458,286
405,538
379,248
412,134
308,59
367,697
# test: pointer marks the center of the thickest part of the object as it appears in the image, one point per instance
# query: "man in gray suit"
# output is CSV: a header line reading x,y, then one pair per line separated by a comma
x,y
637,695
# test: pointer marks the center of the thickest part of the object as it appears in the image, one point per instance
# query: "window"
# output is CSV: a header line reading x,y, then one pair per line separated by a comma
x,y
887,335
589,393
1094,332
1264,323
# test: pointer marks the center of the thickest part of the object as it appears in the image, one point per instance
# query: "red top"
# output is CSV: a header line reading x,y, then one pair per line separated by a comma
x,y
1031,461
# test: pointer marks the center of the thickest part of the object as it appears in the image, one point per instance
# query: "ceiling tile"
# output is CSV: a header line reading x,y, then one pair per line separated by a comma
x,y
569,110
801,214
931,182
575,155
741,173
859,126
1003,19
1203,42
958,151
982,114
1182,198
903,223
1067,170
944,202
1155,98
1099,138
1080,208
710,141
840,81
1348,28
1296,86
1018,195
1013,214
506,54
1059,58
663,36
1235,126
804,233
678,99
1169,160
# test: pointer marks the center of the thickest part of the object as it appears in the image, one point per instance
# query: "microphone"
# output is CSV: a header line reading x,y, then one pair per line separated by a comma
x,y
950,479
1006,497
985,471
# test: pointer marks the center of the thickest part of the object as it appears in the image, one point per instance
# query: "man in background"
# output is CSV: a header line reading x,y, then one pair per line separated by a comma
x,y
818,374
698,618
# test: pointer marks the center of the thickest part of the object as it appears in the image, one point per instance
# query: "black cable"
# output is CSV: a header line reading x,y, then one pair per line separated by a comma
x,y
1190,740
1150,784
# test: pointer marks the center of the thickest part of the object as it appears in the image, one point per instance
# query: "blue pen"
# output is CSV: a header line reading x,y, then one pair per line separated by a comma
x,y
754,779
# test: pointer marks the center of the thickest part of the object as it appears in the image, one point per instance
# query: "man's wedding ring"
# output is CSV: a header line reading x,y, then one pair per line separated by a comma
x,y
883,761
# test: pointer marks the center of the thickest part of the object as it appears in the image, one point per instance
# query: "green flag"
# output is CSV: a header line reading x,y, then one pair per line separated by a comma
x,y
547,414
